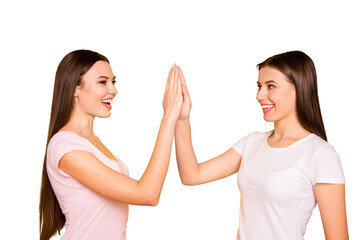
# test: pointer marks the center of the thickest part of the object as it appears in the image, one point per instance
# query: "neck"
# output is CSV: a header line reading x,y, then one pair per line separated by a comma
x,y
289,128
81,124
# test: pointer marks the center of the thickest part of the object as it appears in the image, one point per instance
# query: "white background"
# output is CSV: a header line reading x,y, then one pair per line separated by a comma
x,y
217,44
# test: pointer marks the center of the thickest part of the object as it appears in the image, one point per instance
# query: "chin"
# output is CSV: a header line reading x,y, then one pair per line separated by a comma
x,y
268,119
104,115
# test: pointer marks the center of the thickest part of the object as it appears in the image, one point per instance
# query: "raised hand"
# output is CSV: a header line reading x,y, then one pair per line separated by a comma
x,y
173,97
186,105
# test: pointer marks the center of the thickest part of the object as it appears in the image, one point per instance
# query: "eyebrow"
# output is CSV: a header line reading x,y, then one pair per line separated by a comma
x,y
269,81
107,78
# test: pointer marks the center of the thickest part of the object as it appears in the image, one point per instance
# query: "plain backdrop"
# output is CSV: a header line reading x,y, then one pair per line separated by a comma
x,y
217,44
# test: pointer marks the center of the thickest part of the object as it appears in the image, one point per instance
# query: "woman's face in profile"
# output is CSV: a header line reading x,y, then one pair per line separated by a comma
x,y
276,95
95,95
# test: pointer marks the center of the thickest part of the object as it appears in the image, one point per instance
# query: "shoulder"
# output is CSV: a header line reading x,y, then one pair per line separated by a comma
x,y
253,138
257,136
325,164
64,138
319,146
63,142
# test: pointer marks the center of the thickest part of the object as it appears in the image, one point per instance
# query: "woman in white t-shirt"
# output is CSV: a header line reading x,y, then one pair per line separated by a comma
x,y
84,186
283,173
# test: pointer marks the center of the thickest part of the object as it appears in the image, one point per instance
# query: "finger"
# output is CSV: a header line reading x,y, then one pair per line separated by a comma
x,y
185,93
183,82
169,79
177,80
183,90
179,87
180,79
172,77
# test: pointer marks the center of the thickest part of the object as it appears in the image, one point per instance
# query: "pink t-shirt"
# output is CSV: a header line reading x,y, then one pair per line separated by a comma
x,y
88,214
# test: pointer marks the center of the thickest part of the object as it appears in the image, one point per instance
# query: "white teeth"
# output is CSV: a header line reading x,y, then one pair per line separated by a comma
x,y
107,101
267,106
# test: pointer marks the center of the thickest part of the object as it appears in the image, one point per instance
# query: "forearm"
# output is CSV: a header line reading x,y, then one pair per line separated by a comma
x,y
152,180
185,155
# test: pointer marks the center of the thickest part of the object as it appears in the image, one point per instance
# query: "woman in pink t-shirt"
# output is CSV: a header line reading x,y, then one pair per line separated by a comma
x,y
84,186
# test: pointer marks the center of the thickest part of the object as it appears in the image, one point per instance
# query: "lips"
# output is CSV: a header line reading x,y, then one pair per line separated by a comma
x,y
267,107
107,102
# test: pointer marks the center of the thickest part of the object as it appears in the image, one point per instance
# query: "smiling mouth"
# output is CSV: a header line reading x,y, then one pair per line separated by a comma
x,y
267,108
107,103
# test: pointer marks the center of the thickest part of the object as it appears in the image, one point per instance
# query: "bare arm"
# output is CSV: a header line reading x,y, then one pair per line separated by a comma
x,y
192,173
331,202
86,168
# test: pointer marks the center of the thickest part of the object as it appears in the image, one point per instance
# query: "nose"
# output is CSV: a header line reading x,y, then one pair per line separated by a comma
x,y
112,90
261,94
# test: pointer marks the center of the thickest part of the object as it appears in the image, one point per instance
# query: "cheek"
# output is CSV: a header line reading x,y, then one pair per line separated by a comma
x,y
88,98
292,97
290,100
283,99
93,93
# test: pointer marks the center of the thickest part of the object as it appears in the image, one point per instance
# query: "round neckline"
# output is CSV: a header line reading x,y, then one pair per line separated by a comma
x,y
287,147
112,160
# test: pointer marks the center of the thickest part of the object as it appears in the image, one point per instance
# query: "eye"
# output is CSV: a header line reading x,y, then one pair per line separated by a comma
x,y
102,82
271,86
114,81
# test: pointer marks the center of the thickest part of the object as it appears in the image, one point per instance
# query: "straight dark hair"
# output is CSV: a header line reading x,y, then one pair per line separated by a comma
x,y
300,70
68,75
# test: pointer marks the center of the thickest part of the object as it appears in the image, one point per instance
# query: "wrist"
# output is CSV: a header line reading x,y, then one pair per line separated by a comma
x,y
169,121
182,122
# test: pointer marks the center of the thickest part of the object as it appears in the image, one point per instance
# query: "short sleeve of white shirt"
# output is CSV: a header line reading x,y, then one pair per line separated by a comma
x,y
241,144
326,167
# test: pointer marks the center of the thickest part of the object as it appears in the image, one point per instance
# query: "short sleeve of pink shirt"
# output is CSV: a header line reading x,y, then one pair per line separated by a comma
x,y
88,214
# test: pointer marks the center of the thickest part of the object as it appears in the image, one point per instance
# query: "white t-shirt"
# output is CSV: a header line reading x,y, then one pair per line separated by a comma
x,y
276,185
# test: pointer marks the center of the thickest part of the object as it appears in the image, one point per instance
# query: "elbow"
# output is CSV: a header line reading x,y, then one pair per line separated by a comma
x,y
153,202
188,182
190,178
148,195
151,199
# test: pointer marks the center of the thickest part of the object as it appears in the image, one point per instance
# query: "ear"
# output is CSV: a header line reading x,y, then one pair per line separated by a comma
x,y
77,91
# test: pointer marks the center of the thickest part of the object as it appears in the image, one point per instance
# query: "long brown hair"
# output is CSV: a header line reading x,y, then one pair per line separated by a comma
x,y
300,71
68,75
